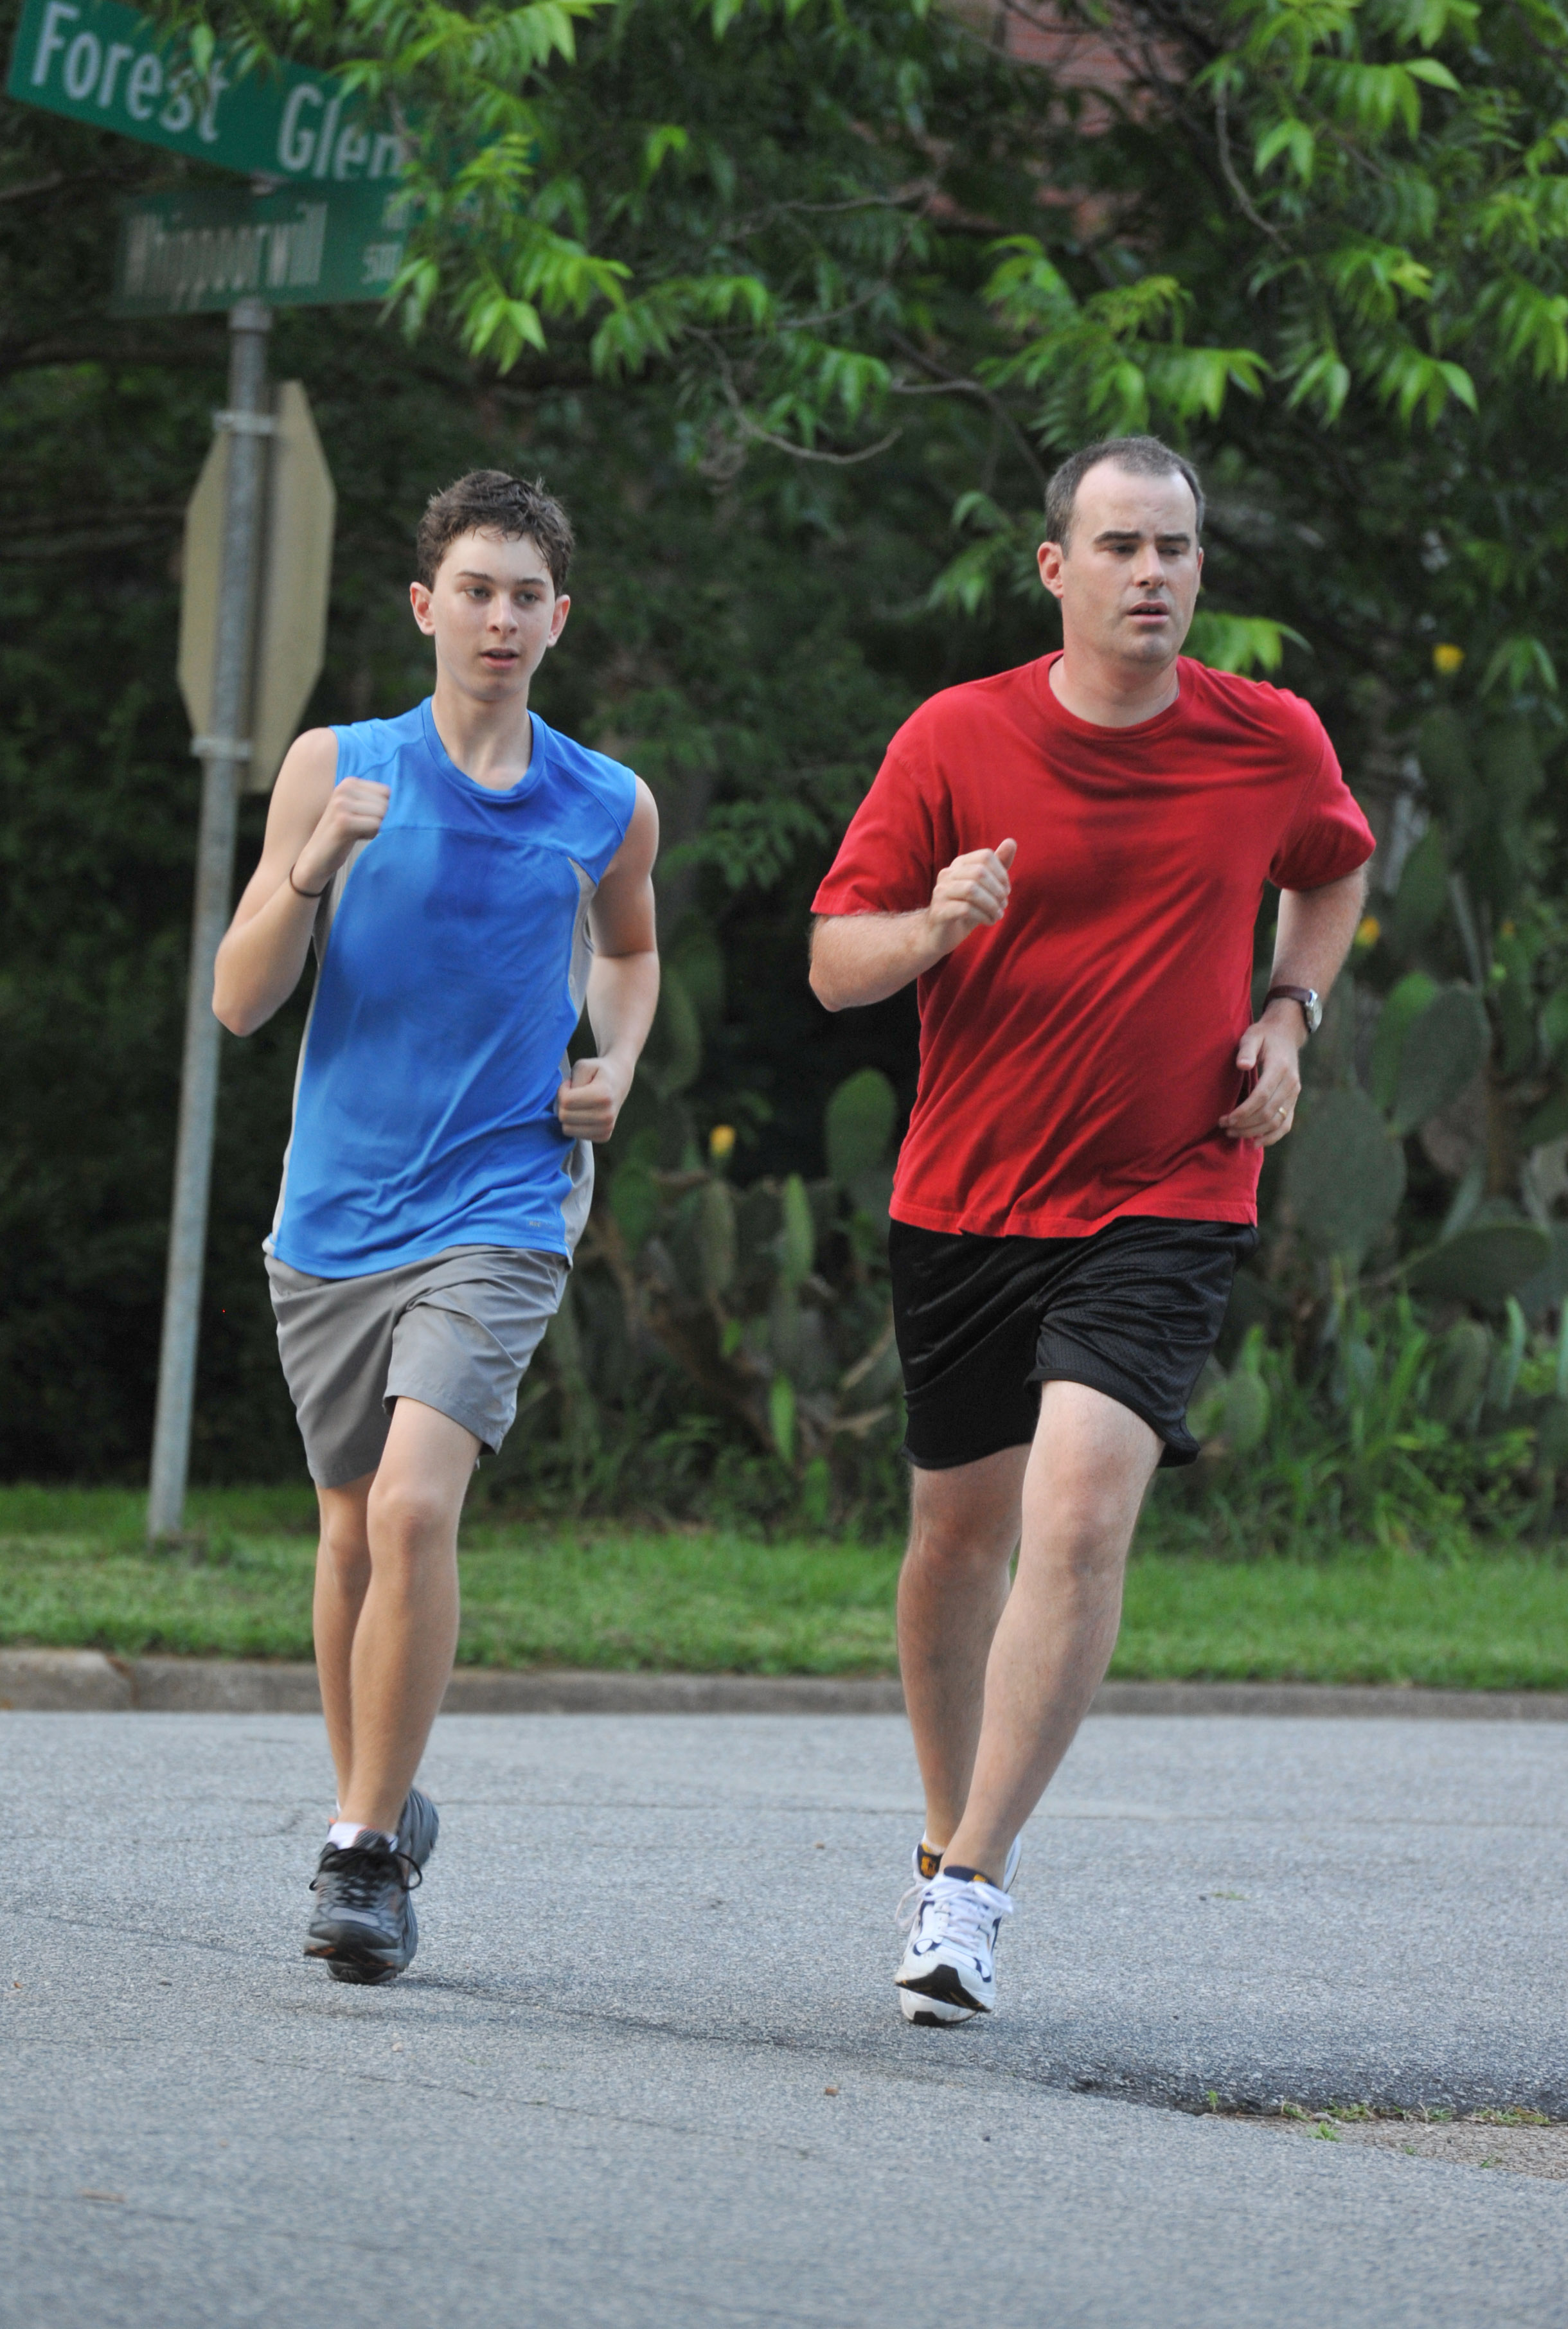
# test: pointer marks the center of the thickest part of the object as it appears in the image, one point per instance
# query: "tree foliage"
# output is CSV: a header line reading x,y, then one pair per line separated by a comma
x,y
799,304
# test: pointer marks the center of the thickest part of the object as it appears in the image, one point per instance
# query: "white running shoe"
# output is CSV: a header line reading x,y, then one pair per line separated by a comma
x,y
925,1864
949,1970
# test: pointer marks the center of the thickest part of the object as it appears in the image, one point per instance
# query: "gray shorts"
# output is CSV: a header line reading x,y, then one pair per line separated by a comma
x,y
456,1333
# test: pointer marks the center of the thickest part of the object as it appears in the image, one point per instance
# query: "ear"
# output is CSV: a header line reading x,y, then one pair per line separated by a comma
x,y
419,600
1051,558
557,619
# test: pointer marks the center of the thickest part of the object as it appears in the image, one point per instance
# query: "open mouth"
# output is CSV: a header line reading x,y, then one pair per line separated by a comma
x,y
500,659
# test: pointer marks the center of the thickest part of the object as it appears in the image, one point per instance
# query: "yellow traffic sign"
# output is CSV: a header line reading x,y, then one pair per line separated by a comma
x,y
296,570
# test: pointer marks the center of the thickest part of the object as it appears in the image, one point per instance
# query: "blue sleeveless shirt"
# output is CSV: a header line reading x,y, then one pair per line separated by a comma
x,y
453,955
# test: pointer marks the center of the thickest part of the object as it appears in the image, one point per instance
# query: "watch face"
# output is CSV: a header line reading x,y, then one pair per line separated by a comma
x,y
1314,1012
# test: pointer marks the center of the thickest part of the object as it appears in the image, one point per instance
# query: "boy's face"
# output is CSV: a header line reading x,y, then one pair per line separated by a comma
x,y
493,613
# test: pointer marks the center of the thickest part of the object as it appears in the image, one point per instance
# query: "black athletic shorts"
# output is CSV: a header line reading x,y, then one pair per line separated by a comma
x,y
982,1322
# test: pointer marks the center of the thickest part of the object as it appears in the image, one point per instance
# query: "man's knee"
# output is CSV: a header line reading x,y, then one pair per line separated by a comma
x,y
1084,1530
945,1540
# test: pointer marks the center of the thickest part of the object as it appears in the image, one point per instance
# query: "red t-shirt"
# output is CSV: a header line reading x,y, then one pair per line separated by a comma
x,y
1076,1058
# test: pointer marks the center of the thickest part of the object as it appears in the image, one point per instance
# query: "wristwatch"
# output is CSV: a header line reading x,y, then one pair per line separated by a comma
x,y
1309,999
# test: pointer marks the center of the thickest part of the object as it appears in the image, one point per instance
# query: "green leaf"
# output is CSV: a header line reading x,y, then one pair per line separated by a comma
x,y
1437,76
1240,643
1521,664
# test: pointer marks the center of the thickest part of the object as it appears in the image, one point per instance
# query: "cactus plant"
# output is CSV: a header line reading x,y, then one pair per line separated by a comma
x,y
1422,896
634,1200
858,1126
1244,1403
674,1057
781,1414
1442,1052
1545,1291
1344,1174
1402,1008
1460,1376
796,1239
716,1237
1485,1264
1503,1379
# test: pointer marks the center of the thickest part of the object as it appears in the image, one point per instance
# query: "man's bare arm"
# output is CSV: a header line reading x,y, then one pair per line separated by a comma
x,y
312,826
860,959
623,983
1316,928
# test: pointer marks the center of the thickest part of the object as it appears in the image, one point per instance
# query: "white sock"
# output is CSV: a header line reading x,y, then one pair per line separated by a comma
x,y
345,1832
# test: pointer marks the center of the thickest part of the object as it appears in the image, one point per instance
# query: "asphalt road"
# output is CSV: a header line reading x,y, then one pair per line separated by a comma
x,y
648,2067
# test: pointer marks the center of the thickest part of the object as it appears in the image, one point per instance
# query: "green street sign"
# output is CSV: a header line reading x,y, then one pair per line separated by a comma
x,y
191,253
96,61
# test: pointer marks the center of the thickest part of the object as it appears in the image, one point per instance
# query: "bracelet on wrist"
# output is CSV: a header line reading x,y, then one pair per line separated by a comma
x,y
306,893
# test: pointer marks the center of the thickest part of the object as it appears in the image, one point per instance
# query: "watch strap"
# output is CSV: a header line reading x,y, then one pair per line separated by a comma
x,y
1304,995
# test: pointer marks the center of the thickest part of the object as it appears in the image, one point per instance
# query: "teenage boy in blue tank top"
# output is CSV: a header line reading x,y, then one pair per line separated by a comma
x,y
470,882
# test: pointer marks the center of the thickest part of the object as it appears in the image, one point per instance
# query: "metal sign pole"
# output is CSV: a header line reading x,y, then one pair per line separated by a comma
x,y
223,754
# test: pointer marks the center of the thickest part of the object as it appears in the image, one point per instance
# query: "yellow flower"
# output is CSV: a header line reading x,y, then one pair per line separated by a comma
x,y
721,1142
1368,931
1446,661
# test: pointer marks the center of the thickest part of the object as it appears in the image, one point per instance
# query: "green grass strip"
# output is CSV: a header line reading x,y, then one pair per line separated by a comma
x,y
75,1573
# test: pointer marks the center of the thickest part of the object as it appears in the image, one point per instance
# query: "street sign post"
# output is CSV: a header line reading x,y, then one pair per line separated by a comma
x,y
329,227
113,68
258,559
223,753
295,568
196,252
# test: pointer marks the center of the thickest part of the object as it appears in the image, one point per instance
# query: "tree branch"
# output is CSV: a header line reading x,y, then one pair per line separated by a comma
x,y
954,385
1223,135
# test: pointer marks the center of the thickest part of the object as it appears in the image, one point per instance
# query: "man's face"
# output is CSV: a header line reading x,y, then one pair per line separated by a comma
x,y
1129,579
491,612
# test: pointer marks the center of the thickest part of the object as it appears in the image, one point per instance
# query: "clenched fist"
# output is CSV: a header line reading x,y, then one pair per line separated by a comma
x,y
971,893
589,1105
354,814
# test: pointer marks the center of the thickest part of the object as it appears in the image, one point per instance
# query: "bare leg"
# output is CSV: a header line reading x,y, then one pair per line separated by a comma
x,y
1089,1467
403,1638
963,1527
342,1577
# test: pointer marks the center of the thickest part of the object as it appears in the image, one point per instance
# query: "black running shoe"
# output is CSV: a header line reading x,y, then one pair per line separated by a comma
x,y
364,1926
419,1824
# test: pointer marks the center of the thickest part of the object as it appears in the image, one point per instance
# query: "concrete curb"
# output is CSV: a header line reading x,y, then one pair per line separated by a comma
x,y
86,1682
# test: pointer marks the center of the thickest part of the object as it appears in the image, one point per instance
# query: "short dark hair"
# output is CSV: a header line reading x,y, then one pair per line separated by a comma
x,y
1141,457
487,501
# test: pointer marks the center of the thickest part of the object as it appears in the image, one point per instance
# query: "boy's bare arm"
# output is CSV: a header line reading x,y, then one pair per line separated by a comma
x,y
312,826
623,983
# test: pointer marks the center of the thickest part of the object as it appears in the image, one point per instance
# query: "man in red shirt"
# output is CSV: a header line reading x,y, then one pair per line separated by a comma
x,y
1070,859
